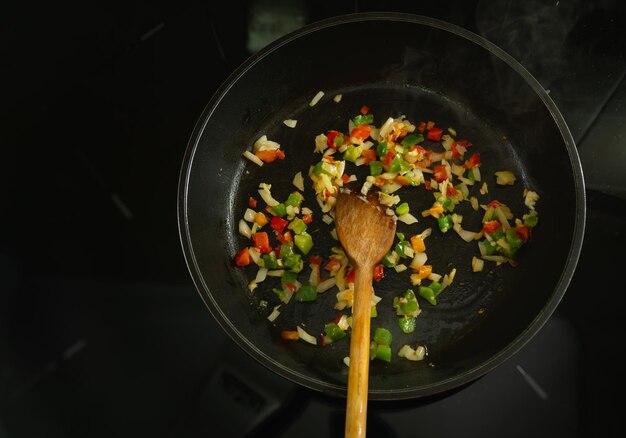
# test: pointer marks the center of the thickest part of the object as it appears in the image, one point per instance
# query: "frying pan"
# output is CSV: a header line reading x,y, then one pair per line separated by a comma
x,y
396,64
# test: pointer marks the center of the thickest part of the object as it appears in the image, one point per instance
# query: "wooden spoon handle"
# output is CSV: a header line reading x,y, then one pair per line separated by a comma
x,y
358,375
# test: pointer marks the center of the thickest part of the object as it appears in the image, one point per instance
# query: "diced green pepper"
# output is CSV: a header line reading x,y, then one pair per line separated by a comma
x,y
304,242
470,175
381,150
400,246
445,223
382,336
334,332
399,165
352,153
412,139
407,324
376,168
280,209
487,247
285,251
294,199
288,278
306,293
408,307
436,287
402,209
366,119
293,262
448,204
297,225
428,294
383,352
319,169
269,261
390,260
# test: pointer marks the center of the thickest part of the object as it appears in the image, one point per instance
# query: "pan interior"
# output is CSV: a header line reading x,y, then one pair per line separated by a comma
x,y
483,317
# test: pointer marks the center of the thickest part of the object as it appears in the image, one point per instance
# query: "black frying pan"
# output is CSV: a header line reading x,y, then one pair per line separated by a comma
x,y
395,64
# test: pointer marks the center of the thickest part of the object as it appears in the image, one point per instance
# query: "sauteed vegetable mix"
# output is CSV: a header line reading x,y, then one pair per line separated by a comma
x,y
396,155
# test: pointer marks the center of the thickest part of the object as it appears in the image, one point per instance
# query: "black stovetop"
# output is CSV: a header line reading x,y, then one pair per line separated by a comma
x,y
101,330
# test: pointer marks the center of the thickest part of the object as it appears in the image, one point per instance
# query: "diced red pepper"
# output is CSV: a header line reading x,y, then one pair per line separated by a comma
x,y
333,264
369,155
307,218
456,153
379,272
345,178
440,173
242,258
491,226
421,126
350,276
495,203
427,185
315,260
330,138
285,237
451,190
278,223
361,132
388,158
434,134
473,161
251,202
365,109
523,231
262,242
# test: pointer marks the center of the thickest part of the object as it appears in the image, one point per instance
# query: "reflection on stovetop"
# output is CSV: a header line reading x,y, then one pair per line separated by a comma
x,y
101,330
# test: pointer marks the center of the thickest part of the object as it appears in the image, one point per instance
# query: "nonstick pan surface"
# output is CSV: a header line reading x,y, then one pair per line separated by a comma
x,y
396,64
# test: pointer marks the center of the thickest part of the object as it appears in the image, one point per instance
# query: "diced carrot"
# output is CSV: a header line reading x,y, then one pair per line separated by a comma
x,y
307,218
270,155
417,243
290,335
260,218
424,271
400,179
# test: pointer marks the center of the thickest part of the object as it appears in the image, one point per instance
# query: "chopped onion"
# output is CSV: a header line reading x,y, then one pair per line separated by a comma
x,y
298,181
244,229
316,98
272,316
250,156
305,336
419,259
267,195
407,218
249,215
477,264
291,123
261,274
386,128
409,353
400,268
337,98
323,286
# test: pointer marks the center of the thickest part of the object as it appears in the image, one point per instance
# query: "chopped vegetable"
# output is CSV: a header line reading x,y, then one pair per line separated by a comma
x,y
397,156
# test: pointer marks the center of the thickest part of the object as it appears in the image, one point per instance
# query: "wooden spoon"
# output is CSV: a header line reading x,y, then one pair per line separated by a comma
x,y
366,233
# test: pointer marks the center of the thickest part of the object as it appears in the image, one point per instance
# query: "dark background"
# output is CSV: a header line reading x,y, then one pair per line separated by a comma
x,y
101,330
